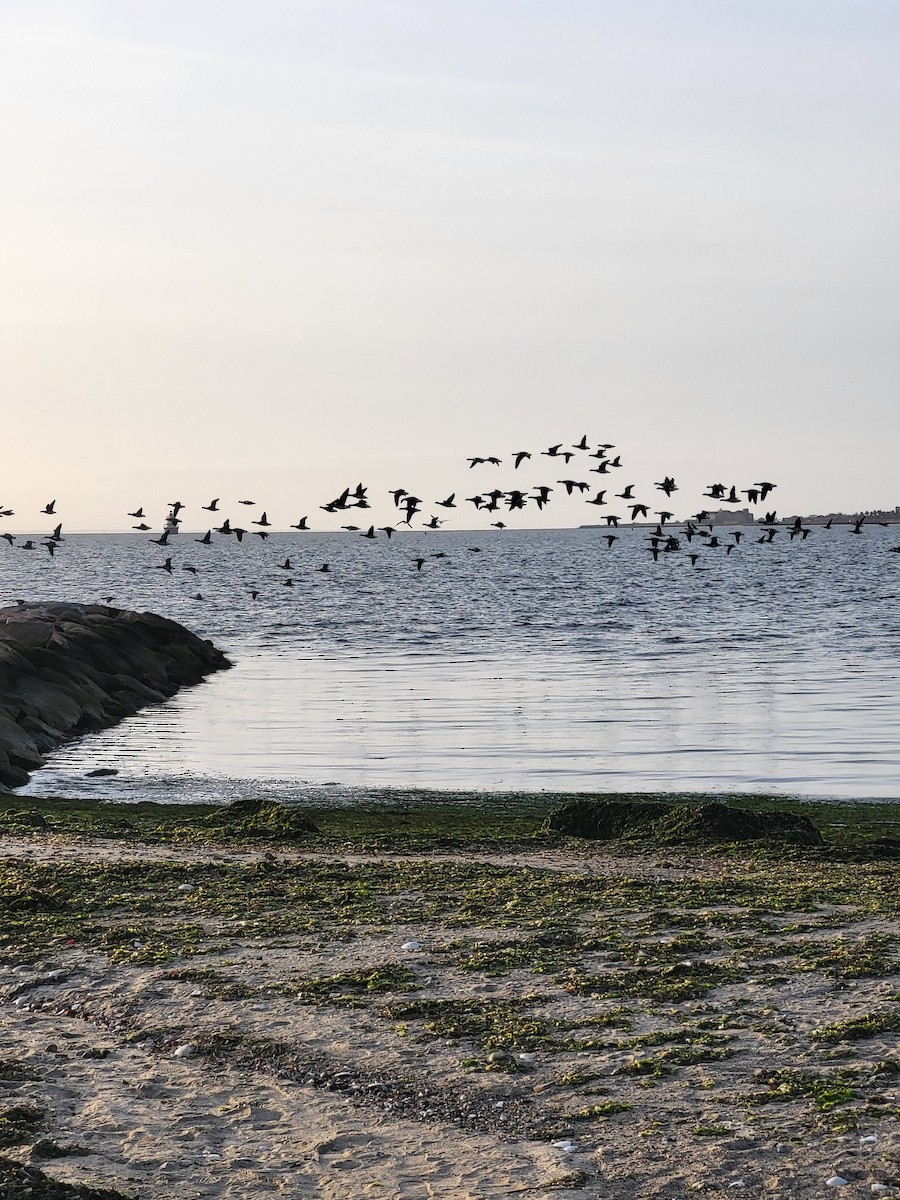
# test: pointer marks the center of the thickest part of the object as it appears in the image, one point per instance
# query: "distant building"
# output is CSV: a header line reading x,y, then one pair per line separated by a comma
x,y
728,516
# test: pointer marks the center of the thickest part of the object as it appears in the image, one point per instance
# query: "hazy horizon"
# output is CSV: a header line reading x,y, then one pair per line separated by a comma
x,y
274,251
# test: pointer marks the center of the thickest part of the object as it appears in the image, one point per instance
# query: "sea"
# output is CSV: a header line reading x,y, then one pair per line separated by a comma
x,y
506,661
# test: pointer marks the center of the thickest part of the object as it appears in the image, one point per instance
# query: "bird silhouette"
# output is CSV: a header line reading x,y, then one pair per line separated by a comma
x,y
213,506
206,540
49,508
301,524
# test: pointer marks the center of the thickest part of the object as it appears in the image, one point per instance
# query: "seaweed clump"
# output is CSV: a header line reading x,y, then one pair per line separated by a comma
x,y
601,820
18,1182
261,819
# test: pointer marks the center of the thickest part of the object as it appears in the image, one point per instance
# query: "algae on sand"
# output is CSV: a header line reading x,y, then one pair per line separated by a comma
x,y
260,819
602,819
21,1182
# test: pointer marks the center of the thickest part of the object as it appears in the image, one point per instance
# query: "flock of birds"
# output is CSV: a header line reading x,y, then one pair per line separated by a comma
x,y
665,535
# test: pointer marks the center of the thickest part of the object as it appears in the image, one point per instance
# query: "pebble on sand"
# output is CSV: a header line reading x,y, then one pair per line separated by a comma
x,y
186,1050
411,945
836,1181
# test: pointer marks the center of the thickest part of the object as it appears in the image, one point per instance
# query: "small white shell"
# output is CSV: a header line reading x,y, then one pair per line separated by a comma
x,y
836,1181
411,946
186,1050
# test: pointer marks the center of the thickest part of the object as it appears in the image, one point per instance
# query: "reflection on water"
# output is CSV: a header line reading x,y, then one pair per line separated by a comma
x,y
539,722
543,662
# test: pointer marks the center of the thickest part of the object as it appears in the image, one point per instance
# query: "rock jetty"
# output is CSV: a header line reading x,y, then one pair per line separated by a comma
x,y
66,669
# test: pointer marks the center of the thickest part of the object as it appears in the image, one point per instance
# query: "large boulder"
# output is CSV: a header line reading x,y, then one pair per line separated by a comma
x,y
69,668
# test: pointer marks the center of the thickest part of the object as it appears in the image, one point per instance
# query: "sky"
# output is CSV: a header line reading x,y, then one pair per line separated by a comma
x,y
271,250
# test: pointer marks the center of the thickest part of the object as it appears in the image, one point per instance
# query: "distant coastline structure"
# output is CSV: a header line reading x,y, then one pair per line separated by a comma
x,y
728,516
885,516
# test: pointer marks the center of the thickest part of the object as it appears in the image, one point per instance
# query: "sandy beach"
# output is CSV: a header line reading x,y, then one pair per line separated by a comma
x,y
554,1019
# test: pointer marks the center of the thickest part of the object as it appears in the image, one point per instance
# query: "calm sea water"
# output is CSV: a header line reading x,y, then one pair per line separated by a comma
x,y
543,661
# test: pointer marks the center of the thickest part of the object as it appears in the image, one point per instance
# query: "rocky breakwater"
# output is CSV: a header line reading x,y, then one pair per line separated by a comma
x,y
66,669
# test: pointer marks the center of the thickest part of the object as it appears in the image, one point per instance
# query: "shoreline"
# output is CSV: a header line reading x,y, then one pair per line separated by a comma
x,y
404,1006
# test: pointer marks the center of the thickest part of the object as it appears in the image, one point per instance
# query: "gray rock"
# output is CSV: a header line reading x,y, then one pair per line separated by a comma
x,y
69,668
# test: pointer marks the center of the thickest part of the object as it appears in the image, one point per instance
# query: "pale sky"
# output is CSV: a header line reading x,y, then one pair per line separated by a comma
x,y
272,249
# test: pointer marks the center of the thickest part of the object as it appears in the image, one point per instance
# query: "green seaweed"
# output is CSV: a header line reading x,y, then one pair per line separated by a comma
x,y
353,987
825,1091
20,1123
607,1108
19,1181
856,1028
